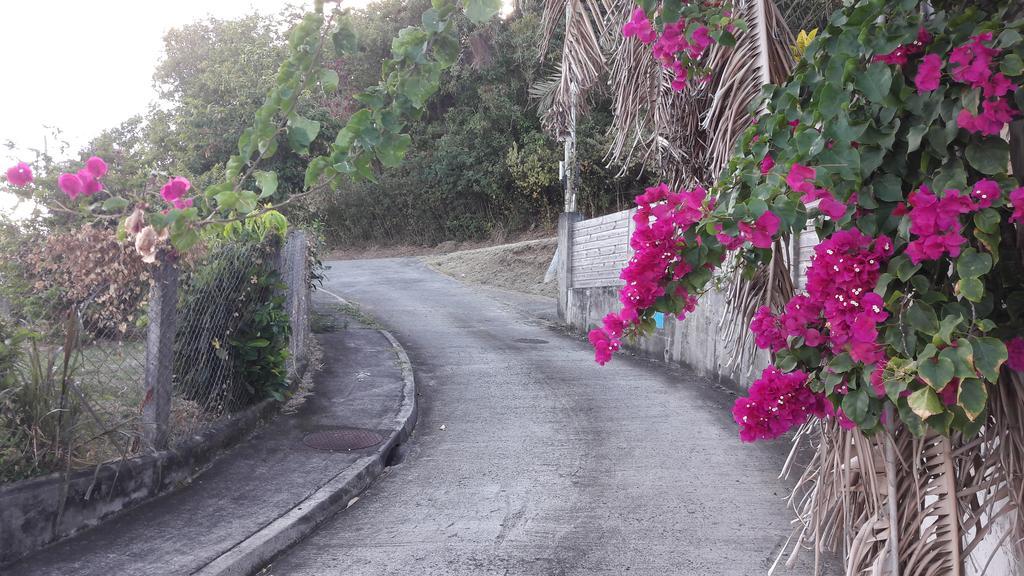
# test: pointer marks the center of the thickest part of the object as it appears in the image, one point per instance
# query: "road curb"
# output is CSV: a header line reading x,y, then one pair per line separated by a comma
x,y
260,548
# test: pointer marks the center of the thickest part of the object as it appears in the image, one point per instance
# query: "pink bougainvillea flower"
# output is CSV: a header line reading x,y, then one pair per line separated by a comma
x,y
777,403
182,203
768,330
1017,199
929,72
70,184
640,26
90,184
1015,348
994,116
831,207
800,178
604,346
767,163
96,166
973,61
760,233
986,192
20,175
175,188
699,42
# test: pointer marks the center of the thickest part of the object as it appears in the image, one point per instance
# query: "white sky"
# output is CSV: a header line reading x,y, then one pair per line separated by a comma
x,y
88,65
84,66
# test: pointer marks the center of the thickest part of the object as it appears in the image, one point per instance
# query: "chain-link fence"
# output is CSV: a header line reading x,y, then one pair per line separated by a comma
x,y
78,330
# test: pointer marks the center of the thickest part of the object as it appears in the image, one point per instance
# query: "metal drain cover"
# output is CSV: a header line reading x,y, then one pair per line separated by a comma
x,y
530,341
343,439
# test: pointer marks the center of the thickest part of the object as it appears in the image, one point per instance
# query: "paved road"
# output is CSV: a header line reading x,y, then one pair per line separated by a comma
x,y
530,459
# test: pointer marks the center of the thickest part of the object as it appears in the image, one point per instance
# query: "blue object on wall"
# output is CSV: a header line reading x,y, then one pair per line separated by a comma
x,y
659,320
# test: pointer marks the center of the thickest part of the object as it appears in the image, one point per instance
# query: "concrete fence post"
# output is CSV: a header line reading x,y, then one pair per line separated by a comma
x,y
565,237
156,402
293,266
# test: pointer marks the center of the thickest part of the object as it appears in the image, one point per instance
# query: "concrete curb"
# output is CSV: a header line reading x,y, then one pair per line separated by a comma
x,y
259,549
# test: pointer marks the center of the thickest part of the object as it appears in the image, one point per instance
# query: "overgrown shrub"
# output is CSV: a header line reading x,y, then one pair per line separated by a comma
x,y
87,269
231,346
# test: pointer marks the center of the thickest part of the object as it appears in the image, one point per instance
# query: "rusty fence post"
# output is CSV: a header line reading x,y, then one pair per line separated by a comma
x,y
156,402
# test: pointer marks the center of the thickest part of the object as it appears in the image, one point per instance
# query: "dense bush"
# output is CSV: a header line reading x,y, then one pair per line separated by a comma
x,y
86,268
231,345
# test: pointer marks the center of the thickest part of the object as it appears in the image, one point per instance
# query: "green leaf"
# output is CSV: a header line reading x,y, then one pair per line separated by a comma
x,y
937,372
184,239
301,133
922,318
963,367
329,80
988,155
971,288
258,343
972,264
480,11
115,204
855,404
905,268
925,403
226,200
888,188
246,201
1012,65
948,325
875,82
972,397
987,220
392,149
233,168
914,136
989,356
267,182
841,363
914,422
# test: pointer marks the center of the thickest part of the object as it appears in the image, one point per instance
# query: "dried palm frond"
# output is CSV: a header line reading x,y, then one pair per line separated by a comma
x,y
770,286
761,56
583,60
808,14
930,502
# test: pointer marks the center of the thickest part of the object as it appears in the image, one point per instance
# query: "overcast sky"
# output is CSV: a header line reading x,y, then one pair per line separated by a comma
x,y
87,65
84,66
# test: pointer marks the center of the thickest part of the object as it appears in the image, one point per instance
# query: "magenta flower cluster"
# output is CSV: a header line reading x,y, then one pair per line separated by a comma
x,y
973,66
174,192
901,55
801,179
840,307
20,175
673,48
86,181
661,218
777,403
935,221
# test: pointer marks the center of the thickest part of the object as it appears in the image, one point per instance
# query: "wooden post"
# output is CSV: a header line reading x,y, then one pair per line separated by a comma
x,y
156,402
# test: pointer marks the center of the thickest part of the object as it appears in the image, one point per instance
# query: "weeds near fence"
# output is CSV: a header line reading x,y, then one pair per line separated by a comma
x,y
73,340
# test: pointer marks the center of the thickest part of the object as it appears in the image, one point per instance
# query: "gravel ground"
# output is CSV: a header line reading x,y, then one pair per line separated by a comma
x,y
520,266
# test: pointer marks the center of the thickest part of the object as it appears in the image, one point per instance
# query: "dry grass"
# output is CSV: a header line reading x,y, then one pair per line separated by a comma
x,y
520,266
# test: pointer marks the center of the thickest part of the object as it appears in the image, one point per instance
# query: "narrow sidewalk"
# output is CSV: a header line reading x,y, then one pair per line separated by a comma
x,y
271,490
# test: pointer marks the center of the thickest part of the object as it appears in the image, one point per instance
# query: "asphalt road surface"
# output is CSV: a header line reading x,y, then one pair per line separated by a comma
x,y
530,459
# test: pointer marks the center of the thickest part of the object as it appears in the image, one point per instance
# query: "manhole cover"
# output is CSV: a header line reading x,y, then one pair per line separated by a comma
x,y
531,341
343,439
